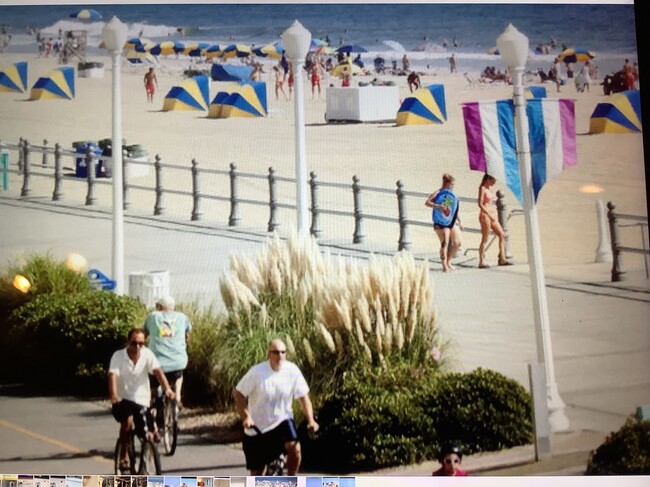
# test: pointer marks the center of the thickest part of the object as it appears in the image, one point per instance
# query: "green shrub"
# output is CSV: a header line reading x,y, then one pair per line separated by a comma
x,y
624,452
483,410
68,339
385,418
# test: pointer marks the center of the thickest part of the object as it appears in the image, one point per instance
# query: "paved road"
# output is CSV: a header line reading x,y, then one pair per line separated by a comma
x,y
59,435
601,341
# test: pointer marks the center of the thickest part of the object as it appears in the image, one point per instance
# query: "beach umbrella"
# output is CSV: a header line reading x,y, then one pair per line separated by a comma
x,y
137,57
394,45
14,78
212,51
236,50
424,106
140,44
86,14
316,43
57,84
573,55
165,48
191,94
346,67
349,48
247,100
621,114
179,47
274,50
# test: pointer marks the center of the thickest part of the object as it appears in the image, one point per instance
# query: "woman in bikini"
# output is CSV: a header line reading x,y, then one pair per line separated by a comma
x,y
487,217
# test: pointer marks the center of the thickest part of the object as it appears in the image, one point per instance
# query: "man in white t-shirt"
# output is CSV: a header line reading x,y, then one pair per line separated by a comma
x,y
128,386
264,399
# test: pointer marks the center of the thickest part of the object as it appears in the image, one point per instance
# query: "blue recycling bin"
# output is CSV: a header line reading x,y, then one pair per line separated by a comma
x,y
101,281
81,171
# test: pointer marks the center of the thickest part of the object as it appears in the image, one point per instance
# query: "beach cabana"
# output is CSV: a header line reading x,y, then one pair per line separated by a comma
x,y
426,105
621,114
247,99
535,92
226,72
14,78
58,84
192,94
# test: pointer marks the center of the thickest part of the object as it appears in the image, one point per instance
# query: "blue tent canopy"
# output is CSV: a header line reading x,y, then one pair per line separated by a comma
x,y
226,72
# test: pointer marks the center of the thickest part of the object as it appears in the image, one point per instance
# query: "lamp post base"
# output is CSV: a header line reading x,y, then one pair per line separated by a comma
x,y
557,418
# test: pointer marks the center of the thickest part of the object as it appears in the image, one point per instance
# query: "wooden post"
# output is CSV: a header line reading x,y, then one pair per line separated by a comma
x,y
273,223
26,169
45,152
21,154
90,167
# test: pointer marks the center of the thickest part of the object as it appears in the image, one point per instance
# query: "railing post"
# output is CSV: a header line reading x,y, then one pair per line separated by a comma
x,y
315,229
273,223
125,180
617,274
26,169
233,219
404,239
90,166
58,173
502,215
604,249
158,208
45,153
4,166
358,236
21,154
196,193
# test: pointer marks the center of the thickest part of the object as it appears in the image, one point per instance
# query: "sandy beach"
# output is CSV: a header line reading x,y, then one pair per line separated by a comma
x,y
378,153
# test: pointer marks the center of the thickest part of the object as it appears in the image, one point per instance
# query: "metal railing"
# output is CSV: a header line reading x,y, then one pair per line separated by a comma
x,y
91,161
617,249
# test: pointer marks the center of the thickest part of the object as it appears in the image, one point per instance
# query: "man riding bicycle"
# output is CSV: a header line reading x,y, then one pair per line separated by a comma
x,y
168,332
263,399
128,387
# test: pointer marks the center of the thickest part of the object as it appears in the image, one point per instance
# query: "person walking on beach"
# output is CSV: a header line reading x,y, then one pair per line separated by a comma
x,y
556,71
279,83
452,64
487,217
150,84
446,222
316,69
290,80
414,81
629,74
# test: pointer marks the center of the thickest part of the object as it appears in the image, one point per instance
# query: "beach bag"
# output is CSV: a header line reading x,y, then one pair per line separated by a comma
x,y
450,201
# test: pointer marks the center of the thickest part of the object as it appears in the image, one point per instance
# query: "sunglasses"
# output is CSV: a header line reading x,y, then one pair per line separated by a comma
x,y
449,461
137,344
279,352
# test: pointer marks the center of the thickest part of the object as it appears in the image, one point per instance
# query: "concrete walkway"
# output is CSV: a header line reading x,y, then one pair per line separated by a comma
x,y
600,335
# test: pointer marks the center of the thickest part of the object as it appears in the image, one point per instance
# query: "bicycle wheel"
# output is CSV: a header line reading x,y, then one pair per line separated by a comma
x,y
149,459
130,455
170,427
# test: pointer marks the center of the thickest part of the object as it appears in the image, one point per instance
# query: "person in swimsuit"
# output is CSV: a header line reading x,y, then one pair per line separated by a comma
x,y
488,219
150,83
315,72
449,235
279,83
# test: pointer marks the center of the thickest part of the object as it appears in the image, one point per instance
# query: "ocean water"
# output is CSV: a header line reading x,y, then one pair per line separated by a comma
x,y
428,33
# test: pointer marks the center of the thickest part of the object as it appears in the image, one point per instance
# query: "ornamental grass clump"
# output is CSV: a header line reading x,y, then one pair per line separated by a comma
x,y
335,313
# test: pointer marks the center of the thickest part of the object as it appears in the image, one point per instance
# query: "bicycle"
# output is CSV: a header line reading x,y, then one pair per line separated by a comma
x,y
166,420
147,462
275,467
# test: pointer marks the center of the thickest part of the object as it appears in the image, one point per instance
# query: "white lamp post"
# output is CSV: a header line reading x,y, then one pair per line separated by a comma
x,y
114,35
513,47
296,40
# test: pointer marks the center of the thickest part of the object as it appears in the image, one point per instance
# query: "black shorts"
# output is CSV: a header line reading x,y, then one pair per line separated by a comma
x,y
261,449
172,377
123,409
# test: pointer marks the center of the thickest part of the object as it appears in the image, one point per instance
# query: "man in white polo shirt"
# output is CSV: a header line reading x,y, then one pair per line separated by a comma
x,y
264,399
128,386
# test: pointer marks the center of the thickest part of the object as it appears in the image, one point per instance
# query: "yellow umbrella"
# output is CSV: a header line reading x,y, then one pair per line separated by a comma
x,y
346,67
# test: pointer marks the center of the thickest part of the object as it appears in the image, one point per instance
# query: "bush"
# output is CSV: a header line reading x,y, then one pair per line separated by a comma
x,y
66,340
624,452
384,418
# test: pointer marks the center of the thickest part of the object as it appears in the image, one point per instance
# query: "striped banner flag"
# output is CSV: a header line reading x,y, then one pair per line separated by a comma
x,y
491,141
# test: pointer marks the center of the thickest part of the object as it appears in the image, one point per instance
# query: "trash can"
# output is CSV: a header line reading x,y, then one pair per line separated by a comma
x,y
81,171
137,153
148,286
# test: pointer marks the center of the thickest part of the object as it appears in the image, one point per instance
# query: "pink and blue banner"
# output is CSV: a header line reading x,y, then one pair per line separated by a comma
x,y
491,141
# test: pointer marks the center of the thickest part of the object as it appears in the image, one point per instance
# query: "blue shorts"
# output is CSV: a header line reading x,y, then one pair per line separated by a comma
x,y
261,449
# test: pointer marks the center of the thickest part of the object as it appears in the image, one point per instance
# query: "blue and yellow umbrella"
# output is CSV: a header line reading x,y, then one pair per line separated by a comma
x,y
86,14
212,51
575,55
236,50
14,78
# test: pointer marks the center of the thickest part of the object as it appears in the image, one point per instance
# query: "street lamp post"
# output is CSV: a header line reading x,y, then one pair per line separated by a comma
x,y
513,47
296,40
114,36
